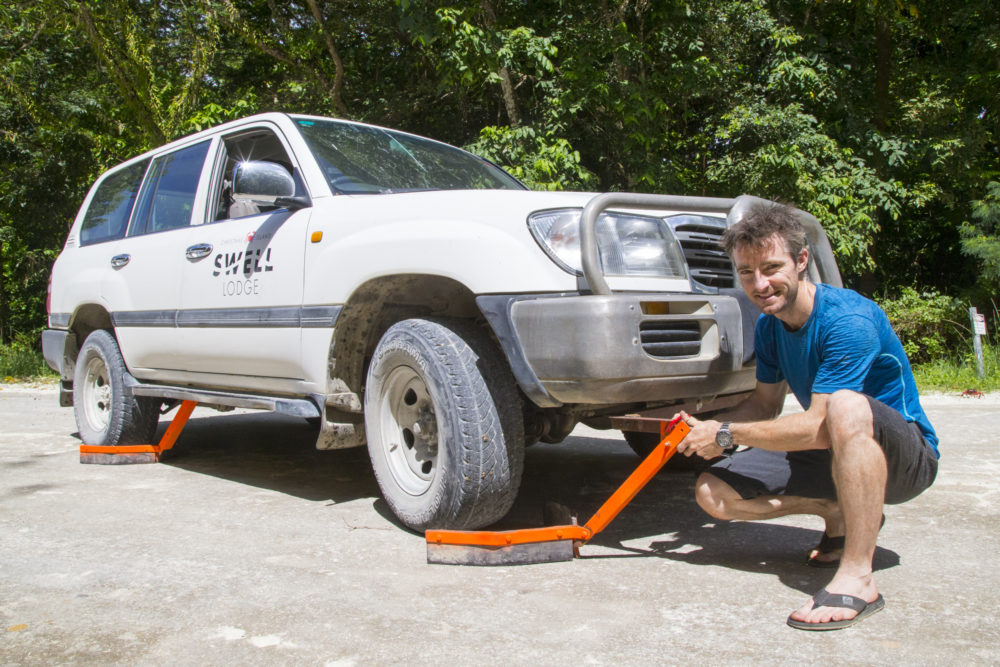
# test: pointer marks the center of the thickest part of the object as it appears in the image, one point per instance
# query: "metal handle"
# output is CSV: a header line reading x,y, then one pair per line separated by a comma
x,y
198,250
118,261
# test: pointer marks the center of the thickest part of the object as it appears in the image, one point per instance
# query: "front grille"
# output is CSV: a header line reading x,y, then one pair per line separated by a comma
x,y
668,339
699,238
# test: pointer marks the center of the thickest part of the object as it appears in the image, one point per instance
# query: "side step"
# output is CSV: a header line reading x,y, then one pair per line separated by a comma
x,y
293,407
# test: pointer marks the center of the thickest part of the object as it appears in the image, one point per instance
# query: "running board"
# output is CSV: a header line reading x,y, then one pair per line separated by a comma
x,y
294,407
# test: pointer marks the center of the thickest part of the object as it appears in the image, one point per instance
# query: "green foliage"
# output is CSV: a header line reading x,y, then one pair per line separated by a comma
x,y
782,154
213,114
472,54
21,359
930,325
880,118
542,162
958,372
981,238
937,339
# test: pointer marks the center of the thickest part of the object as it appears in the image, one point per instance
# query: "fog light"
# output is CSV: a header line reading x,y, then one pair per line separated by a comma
x,y
655,308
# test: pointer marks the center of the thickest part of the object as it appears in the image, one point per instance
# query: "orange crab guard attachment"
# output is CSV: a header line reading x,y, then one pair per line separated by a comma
x,y
125,454
500,547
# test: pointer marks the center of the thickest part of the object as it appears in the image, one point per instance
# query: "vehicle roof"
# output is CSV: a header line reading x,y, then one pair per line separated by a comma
x,y
276,117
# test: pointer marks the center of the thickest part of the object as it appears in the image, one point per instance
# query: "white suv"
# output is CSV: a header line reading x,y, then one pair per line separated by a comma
x,y
397,292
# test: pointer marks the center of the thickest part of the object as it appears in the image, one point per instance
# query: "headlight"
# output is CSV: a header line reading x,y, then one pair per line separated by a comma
x,y
628,245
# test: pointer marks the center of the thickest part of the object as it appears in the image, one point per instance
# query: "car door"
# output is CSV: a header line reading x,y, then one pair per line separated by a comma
x,y
142,292
241,277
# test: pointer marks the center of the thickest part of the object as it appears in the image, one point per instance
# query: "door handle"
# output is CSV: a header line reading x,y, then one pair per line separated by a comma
x,y
198,250
118,261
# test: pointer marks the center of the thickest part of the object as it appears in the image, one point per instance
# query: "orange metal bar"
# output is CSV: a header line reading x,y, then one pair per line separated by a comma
x,y
176,426
639,477
506,538
123,449
166,442
671,435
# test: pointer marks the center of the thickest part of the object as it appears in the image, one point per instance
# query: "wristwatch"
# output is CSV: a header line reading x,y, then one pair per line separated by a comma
x,y
724,439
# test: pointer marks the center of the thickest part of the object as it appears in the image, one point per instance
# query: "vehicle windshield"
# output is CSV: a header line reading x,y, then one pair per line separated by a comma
x,y
361,159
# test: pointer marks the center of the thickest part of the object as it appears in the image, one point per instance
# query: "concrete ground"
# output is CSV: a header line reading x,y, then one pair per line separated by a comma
x,y
247,546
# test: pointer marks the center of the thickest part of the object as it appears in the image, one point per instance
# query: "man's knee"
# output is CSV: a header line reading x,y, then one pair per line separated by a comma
x,y
848,414
715,496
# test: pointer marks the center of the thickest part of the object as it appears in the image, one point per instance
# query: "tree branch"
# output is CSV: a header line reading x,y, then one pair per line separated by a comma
x,y
144,112
338,64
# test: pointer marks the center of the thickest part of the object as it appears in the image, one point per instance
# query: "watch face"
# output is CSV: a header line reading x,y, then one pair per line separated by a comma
x,y
723,437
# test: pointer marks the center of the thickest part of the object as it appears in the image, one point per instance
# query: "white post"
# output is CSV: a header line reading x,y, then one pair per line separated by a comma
x,y
978,329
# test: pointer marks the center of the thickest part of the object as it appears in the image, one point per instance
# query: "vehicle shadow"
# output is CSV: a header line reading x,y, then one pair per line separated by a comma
x,y
575,477
273,452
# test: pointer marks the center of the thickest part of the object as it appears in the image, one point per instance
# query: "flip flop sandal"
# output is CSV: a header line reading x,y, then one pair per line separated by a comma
x,y
827,545
827,599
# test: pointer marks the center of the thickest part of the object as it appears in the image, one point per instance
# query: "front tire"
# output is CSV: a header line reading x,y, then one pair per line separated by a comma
x,y
106,413
444,425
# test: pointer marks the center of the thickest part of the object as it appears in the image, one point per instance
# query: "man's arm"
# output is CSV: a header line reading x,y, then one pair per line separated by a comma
x,y
802,430
794,432
765,402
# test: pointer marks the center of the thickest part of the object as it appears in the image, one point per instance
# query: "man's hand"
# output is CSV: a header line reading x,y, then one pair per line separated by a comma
x,y
701,440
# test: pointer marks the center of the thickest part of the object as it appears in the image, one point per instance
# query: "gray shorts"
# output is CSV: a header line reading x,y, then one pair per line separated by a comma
x,y
911,461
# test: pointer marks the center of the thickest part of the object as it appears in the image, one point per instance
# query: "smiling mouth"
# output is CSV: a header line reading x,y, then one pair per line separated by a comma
x,y
767,300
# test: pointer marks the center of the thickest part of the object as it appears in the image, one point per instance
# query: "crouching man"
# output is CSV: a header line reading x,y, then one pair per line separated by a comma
x,y
862,441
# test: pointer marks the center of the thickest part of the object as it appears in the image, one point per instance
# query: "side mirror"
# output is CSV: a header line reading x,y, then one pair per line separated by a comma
x,y
266,183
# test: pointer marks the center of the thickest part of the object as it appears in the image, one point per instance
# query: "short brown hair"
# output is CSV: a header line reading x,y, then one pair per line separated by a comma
x,y
762,221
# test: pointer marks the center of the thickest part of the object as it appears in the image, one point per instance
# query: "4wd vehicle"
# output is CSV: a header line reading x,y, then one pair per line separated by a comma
x,y
399,293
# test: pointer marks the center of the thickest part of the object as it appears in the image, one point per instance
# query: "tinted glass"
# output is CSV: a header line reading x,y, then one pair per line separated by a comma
x,y
359,159
109,210
167,199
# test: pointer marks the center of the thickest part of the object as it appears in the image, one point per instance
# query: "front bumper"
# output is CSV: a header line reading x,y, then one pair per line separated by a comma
x,y
625,348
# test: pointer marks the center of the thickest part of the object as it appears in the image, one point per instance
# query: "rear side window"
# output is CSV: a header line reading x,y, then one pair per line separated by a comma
x,y
109,210
167,199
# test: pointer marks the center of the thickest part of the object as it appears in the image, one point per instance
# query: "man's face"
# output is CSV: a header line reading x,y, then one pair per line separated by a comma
x,y
770,275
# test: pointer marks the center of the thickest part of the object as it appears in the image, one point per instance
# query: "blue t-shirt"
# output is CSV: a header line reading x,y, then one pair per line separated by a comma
x,y
847,343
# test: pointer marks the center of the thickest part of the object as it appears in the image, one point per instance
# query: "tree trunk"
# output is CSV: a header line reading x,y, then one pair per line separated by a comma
x,y
506,82
509,101
338,64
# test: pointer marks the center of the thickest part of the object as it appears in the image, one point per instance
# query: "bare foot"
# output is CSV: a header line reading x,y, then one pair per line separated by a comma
x,y
859,587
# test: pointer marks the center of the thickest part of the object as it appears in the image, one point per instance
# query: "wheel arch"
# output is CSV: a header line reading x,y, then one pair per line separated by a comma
x,y
87,319
381,302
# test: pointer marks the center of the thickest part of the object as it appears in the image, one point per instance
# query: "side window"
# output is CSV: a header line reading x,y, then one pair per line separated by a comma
x,y
167,198
107,216
260,145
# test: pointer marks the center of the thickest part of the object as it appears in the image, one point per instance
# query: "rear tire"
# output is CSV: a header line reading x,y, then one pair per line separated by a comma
x,y
107,414
444,425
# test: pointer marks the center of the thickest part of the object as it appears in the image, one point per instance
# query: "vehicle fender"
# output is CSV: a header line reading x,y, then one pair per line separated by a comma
x,y
484,258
